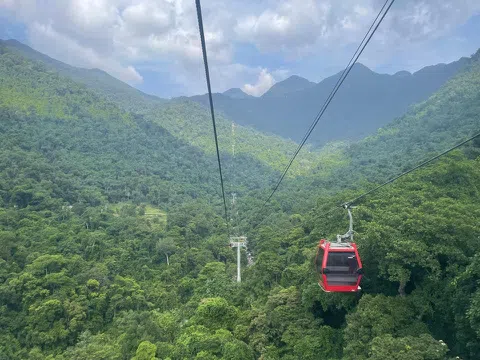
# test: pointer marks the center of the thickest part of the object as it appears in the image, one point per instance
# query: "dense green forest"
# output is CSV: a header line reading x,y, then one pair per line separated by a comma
x,y
97,80
57,94
428,128
113,244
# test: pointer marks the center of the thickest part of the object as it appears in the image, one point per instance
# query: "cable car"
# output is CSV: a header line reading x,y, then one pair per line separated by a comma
x,y
338,264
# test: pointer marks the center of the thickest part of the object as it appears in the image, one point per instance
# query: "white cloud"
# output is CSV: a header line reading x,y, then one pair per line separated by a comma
x,y
115,35
21,8
223,77
297,27
121,36
281,74
264,82
149,17
69,51
90,14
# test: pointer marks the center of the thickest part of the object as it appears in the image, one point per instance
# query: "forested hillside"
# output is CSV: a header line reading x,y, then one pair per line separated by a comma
x,y
94,284
113,243
366,101
443,120
185,120
290,85
97,80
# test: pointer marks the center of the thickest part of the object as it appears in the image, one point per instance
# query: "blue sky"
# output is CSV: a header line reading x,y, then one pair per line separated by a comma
x,y
154,46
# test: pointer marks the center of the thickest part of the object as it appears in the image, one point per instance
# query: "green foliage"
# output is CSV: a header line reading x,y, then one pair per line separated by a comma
x,y
215,313
45,88
449,116
146,351
112,243
377,316
95,79
444,119
93,347
408,348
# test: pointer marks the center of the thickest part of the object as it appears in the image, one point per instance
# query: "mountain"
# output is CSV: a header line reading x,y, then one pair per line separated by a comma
x,y
113,243
444,119
55,127
101,82
40,106
289,85
236,93
365,102
447,117
182,118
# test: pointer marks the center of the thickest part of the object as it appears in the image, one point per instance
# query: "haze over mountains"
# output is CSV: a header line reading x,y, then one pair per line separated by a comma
x,y
185,120
365,102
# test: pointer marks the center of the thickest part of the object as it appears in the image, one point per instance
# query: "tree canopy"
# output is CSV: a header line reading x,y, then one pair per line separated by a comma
x,y
113,244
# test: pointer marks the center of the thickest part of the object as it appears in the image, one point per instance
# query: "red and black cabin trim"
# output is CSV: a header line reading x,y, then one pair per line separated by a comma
x,y
338,266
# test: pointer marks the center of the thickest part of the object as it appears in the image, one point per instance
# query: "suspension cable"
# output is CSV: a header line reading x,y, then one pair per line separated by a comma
x,y
348,204
345,73
346,68
207,75
426,162
233,210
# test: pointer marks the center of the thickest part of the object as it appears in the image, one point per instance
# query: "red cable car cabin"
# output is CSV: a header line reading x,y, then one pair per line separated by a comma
x,y
338,266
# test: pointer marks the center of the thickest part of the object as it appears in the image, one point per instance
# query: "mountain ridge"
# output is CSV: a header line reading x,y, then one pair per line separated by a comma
x,y
289,85
366,101
236,93
182,118
99,80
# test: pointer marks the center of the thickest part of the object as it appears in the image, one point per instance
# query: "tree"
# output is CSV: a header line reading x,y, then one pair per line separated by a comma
x,y
407,348
125,294
47,324
237,350
166,246
323,343
215,313
94,347
199,340
145,351
214,281
377,316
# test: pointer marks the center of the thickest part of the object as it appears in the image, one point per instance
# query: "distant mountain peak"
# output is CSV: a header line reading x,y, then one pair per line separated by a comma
x,y
367,101
290,84
403,73
236,93
361,66
296,78
12,41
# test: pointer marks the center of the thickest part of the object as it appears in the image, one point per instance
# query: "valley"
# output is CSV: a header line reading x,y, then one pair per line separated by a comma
x,y
114,245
